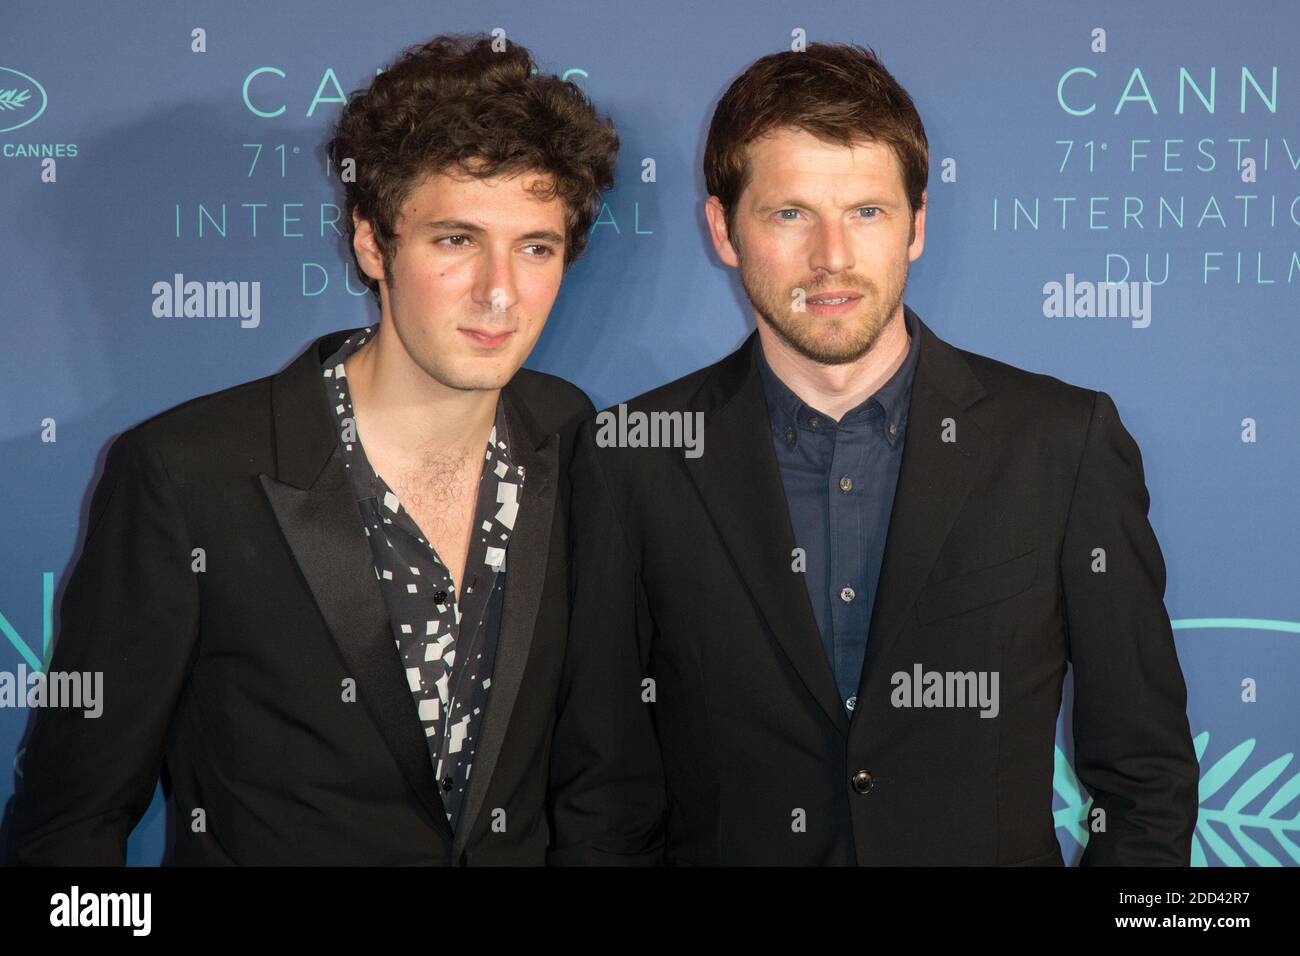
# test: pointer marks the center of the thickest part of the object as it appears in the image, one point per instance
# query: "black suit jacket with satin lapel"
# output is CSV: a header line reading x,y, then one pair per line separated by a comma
x,y
683,575
238,675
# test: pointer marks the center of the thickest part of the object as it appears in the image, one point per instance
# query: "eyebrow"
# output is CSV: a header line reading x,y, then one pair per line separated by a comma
x,y
786,203
462,225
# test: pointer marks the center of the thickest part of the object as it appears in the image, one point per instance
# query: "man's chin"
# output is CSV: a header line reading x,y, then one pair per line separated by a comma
x,y
474,375
479,383
828,349
842,357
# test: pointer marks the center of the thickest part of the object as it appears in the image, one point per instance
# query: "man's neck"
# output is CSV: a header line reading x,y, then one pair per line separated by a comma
x,y
835,389
407,416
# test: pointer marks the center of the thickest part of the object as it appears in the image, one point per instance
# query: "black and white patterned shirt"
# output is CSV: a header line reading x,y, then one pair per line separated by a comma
x,y
447,645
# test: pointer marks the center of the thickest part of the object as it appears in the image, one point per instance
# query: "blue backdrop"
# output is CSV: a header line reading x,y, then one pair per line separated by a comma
x,y
1157,143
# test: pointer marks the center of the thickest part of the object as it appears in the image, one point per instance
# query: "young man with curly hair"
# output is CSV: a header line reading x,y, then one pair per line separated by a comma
x,y
332,601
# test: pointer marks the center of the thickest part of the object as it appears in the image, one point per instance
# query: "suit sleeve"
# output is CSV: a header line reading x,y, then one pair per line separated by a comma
x,y
1133,747
608,798
130,613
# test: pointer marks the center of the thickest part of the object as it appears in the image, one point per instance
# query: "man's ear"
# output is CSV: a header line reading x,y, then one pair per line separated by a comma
x,y
916,241
366,248
716,215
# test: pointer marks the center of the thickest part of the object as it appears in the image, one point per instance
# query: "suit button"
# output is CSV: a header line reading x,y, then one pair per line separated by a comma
x,y
464,857
862,781
447,784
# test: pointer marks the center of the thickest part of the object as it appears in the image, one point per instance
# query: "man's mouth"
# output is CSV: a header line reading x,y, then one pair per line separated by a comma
x,y
489,340
834,297
832,303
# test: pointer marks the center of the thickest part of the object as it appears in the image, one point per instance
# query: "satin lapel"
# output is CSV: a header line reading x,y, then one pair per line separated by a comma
x,y
526,560
317,511
934,480
740,482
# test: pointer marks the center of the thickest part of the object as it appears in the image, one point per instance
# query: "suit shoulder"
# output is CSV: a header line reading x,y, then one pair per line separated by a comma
x,y
552,400
672,396
226,420
1046,394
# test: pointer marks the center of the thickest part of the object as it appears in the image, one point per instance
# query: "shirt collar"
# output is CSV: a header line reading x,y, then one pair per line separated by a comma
x,y
789,414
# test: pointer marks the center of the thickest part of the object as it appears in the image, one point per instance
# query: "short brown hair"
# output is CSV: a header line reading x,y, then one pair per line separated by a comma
x,y
456,104
839,92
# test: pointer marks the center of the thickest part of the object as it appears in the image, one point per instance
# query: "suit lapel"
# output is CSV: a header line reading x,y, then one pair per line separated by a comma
x,y
934,480
317,511
526,561
740,482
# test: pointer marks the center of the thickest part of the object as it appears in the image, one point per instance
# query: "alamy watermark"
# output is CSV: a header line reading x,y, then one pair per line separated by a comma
x,y
922,688
1098,300
75,908
639,429
209,300
76,690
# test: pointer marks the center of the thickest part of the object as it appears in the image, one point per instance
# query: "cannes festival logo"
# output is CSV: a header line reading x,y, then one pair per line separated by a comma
x,y
22,99
1245,816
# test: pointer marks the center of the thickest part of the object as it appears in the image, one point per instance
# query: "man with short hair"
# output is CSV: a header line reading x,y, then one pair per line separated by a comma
x,y
839,635
333,601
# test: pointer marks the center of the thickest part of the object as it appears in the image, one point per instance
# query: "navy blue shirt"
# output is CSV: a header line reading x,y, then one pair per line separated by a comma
x,y
839,480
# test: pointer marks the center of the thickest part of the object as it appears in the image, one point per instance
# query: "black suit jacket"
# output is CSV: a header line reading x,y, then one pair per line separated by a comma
x,y
683,575
236,675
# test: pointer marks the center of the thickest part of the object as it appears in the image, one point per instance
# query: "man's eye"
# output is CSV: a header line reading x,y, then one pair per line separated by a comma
x,y
455,245
546,252
876,208
781,214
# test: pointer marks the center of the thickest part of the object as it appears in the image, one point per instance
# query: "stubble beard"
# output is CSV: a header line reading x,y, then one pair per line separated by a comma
x,y
805,333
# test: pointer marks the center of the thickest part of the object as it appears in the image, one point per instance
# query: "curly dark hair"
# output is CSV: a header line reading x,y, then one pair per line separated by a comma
x,y
476,105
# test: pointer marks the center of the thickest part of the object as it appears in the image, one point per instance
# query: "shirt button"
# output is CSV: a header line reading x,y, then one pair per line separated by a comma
x,y
846,483
846,595
814,422
851,703
893,428
440,597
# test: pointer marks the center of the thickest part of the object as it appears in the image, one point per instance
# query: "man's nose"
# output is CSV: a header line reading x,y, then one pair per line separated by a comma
x,y
831,249
494,288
